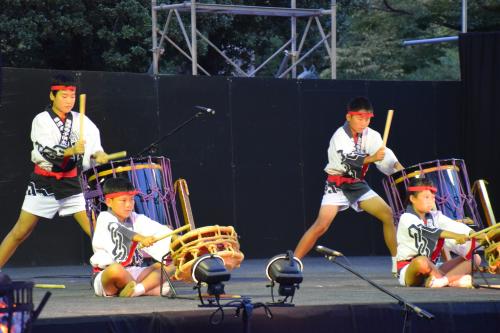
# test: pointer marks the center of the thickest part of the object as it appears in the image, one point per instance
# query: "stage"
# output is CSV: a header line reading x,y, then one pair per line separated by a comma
x,y
329,299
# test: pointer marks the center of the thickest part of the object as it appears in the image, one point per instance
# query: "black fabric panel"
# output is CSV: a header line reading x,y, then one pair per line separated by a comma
x,y
267,160
480,96
123,106
200,151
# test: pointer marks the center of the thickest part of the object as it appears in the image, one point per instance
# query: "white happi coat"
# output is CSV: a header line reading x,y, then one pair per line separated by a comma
x,y
51,137
345,157
415,238
112,239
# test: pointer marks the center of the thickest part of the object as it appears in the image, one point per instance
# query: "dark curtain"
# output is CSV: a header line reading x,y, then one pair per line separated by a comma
x,y
480,70
1,80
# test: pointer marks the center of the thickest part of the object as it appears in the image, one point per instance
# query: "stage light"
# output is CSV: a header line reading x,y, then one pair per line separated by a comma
x,y
286,270
210,269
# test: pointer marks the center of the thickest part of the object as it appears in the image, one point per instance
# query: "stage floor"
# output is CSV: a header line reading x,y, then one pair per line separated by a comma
x,y
324,284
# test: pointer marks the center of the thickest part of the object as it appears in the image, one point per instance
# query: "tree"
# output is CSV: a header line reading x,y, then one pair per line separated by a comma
x,y
115,35
63,34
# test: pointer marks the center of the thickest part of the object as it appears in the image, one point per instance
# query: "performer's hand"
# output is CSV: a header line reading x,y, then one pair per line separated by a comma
x,y
100,157
462,239
378,156
146,241
77,149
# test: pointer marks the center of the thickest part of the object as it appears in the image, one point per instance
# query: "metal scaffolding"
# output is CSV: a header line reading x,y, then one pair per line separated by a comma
x,y
296,54
442,39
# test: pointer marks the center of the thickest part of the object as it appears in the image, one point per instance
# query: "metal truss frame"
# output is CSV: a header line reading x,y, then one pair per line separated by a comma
x,y
297,54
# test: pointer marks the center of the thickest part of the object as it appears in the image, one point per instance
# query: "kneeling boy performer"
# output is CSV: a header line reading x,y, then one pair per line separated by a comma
x,y
353,147
116,259
422,233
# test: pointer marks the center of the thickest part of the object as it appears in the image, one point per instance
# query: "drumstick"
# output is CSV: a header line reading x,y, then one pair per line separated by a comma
x,y
117,155
388,122
83,99
176,231
494,226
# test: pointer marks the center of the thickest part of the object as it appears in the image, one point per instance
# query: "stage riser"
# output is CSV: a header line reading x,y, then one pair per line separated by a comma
x,y
387,318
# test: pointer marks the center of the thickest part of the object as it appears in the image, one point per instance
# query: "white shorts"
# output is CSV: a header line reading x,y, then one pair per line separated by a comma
x,y
402,274
134,271
48,206
339,199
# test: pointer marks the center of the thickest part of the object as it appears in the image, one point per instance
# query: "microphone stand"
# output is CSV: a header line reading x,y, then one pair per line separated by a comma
x,y
153,147
407,306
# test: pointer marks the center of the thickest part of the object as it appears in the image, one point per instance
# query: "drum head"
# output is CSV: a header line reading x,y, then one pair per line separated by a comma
x,y
453,195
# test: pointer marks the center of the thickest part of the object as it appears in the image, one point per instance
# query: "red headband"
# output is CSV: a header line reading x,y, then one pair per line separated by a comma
x,y
119,194
422,188
72,88
361,113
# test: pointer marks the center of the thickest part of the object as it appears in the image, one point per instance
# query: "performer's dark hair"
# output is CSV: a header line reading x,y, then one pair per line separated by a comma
x,y
120,184
61,80
417,182
360,103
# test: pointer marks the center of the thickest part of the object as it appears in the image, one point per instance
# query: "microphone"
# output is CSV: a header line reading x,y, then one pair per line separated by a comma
x,y
328,252
205,109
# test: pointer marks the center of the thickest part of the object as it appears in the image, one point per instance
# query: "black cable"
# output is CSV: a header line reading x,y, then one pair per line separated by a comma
x,y
219,309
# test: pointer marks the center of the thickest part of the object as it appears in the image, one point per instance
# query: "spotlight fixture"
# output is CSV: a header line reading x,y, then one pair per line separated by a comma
x,y
285,269
210,269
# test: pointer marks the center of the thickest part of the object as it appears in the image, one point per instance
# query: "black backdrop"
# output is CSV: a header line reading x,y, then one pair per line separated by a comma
x,y
480,70
256,165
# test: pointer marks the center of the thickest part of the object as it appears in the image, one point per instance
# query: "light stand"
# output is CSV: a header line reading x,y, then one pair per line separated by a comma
x,y
286,270
407,306
244,307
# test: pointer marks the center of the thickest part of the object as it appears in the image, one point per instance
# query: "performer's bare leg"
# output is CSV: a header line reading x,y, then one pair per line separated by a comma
x,y
419,270
325,218
377,207
114,278
150,278
170,269
456,268
83,221
21,230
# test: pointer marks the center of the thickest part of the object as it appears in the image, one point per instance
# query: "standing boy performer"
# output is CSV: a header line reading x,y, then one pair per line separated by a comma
x,y
59,153
353,147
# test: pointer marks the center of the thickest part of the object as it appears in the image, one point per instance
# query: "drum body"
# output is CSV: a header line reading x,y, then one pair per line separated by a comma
x,y
215,239
453,198
151,176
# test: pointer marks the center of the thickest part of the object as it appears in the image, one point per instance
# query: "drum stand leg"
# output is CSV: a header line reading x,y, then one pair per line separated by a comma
x,y
165,278
487,285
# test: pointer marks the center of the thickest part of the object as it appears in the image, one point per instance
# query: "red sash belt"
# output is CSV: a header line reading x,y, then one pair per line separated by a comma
x,y
403,263
339,180
125,263
58,175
